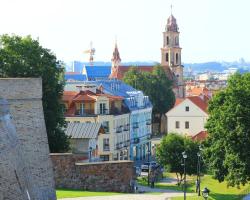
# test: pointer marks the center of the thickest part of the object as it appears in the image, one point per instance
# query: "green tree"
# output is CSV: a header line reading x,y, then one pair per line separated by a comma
x,y
24,57
156,85
228,152
169,154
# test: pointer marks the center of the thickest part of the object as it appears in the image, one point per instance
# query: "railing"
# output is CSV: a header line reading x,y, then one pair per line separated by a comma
x,y
124,144
102,111
106,148
86,112
135,125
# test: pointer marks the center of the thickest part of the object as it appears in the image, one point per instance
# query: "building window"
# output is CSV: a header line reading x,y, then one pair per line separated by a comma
x,y
81,108
177,124
177,59
187,108
102,107
166,57
176,40
167,40
186,125
104,157
105,126
106,144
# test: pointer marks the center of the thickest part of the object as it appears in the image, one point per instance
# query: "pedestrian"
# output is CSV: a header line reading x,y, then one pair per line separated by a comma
x,y
197,185
152,179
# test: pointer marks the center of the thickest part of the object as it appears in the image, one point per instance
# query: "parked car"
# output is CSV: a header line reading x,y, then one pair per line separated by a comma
x,y
144,167
138,171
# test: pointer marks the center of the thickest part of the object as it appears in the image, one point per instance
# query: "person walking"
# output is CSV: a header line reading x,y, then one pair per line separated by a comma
x,y
152,179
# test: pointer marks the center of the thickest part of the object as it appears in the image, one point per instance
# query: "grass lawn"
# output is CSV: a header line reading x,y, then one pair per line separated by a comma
x,y
218,191
70,193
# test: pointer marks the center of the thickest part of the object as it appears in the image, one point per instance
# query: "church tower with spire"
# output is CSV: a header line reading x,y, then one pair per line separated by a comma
x,y
116,61
171,56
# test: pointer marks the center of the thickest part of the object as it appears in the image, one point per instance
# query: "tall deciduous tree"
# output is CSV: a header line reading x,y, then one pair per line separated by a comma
x,y
156,85
169,154
228,145
24,57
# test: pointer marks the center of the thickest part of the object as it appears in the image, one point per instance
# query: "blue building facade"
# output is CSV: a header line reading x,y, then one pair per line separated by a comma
x,y
140,116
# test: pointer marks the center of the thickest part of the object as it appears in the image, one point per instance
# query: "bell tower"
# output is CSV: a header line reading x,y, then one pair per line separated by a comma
x,y
116,61
171,55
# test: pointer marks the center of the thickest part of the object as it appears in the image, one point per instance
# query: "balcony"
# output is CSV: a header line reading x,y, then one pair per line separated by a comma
x,y
102,111
136,140
119,129
135,125
85,112
148,122
106,148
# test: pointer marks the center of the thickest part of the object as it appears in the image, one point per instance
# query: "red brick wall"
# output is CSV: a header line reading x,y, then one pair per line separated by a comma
x,y
102,176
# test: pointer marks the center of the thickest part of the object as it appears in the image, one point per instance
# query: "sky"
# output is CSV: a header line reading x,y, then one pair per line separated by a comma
x,y
210,30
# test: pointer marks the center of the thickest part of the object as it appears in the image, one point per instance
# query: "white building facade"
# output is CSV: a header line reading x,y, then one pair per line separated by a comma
x,y
188,117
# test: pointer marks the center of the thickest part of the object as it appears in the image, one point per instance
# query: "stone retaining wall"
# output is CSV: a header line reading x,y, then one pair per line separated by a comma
x,y
24,96
102,176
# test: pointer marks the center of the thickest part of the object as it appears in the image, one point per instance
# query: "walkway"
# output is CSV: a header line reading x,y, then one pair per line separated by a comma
x,y
163,196
160,194
247,197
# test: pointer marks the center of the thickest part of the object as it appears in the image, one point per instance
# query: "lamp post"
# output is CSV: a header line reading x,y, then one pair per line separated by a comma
x,y
148,164
90,153
198,187
205,193
184,155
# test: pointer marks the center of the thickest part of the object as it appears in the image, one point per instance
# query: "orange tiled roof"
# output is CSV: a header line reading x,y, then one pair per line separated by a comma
x,y
196,100
200,136
196,91
69,95
199,102
120,72
178,101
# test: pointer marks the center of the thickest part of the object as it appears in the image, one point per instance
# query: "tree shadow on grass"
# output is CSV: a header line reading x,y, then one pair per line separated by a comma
x,y
217,196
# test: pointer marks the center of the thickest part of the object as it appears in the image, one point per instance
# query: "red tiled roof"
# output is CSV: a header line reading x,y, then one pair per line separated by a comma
x,y
120,72
200,136
196,91
111,97
178,101
199,102
87,96
84,97
69,95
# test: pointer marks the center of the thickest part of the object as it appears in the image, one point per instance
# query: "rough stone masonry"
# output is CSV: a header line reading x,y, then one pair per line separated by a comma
x,y
25,166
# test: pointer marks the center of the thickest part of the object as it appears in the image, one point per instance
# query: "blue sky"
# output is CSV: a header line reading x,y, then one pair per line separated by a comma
x,y
210,29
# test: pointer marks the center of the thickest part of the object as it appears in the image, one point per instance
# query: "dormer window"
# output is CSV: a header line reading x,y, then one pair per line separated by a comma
x,y
102,107
187,108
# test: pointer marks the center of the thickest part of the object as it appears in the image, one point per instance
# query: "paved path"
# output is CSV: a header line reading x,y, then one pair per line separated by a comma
x,y
247,197
163,196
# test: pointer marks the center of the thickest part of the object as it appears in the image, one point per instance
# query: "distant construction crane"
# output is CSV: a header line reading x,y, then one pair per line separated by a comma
x,y
91,52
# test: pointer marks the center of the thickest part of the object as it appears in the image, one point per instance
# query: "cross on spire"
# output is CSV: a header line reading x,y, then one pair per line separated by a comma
x,y
171,8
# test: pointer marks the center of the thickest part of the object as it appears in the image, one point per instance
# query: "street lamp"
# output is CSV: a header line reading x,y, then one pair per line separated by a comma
x,y
205,193
148,164
198,181
184,155
90,153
